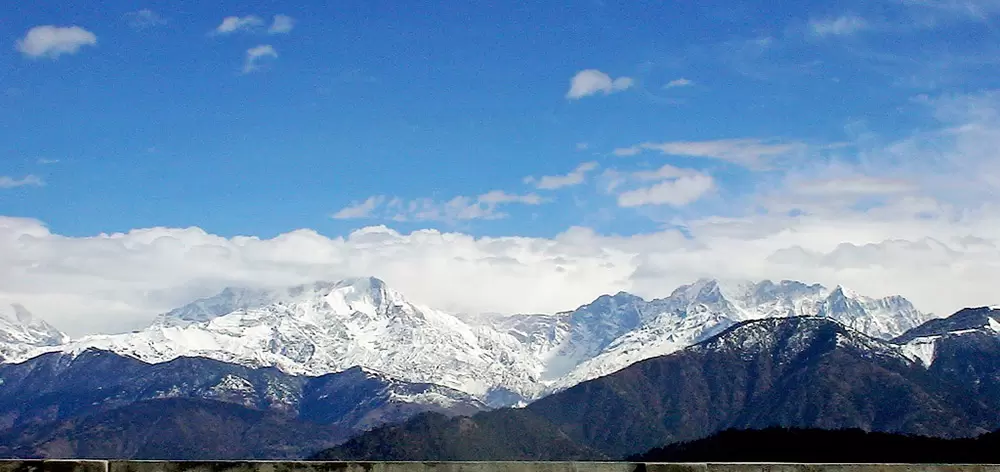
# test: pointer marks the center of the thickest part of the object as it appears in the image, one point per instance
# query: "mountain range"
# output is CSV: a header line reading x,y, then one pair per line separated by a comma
x,y
800,372
356,370
328,327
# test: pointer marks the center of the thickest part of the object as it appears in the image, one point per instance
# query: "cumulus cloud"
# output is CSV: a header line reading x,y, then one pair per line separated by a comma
x,y
482,207
681,82
256,54
119,281
929,229
751,153
26,181
839,26
591,81
51,41
551,182
234,24
282,24
144,19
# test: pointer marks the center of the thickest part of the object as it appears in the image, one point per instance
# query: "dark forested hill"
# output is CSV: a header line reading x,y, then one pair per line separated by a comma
x,y
819,446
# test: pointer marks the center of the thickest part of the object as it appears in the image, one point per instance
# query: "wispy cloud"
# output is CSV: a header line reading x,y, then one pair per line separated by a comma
x,y
750,153
50,41
977,10
592,81
667,185
255,54
144,19
359,209
681,82
840,26
551,182
858,185
482,207
234,24
43,161
26,181
282,24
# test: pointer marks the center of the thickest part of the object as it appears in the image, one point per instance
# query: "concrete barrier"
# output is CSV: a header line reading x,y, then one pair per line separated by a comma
x,y
271,466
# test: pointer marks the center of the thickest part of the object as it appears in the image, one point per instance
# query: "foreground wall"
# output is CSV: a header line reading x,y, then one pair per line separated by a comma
x,y
151,466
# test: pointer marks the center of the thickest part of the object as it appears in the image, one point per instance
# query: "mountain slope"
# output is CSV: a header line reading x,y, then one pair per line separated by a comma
x,y
962,351
795,372
484,437
57,387
174,429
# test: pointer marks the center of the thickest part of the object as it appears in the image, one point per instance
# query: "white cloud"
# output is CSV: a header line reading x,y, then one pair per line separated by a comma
x,y
234,24
44,161
751,153
359,209
581,146
930,232
50,41
144,19
839,26
679,187
551,182
681,82
255,54
282,24
26,181
591,81
119,281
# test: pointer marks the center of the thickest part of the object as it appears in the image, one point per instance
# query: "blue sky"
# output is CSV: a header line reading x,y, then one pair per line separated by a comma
x,y
605,145
157,125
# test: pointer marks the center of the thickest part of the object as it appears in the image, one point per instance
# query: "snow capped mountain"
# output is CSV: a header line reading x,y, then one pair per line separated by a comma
x,y
22,333
695,312
328,327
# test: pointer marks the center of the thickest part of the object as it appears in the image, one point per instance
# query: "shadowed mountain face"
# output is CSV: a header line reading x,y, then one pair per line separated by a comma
x,y
175,429
806,372
484,437
59,405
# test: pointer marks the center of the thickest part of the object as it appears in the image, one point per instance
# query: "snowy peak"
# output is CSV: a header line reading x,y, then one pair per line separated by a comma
x,y
368,294
18,325
21,332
